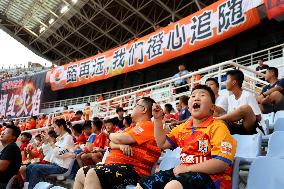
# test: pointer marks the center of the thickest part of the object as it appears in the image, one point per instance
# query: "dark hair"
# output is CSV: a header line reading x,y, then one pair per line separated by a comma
x,y
52,134
169,107
237,75
38,135
115,120
87,125
27,135
62,123
204,87
65,107
79,112
274,70
184,99
128,120
119,109
214,80
78,128
88,103
148,102
108,121
98,123
16,130
34,117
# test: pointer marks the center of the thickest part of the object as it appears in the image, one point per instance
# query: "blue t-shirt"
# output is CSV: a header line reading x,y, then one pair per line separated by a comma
x,y
92,138
279,83
183,114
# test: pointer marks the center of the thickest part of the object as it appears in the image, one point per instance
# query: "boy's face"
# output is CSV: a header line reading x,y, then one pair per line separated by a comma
x,y
88,131
212,85
178,107
230,82
109,127
24,138
200,104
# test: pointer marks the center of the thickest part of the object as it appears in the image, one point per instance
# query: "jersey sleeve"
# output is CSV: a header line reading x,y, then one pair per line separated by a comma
x,y
223,144
142,133
172,137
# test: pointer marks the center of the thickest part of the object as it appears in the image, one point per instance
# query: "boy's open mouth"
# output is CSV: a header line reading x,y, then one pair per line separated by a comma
x,y
196,106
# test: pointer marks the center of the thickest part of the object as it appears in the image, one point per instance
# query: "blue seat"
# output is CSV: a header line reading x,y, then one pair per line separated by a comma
x,y
43,185
58,187
248,148
275,145
278,115
279,124
266,173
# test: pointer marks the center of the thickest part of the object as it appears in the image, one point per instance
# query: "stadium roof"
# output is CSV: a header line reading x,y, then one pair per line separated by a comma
x,y
66,30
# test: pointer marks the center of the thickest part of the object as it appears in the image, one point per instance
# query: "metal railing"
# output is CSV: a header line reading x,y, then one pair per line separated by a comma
x,y
247,60
104,109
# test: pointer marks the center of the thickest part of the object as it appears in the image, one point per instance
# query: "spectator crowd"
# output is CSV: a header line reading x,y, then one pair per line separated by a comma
x,y
129,145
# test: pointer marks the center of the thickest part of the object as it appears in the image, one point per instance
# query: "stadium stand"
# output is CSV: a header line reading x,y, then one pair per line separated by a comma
x,y
62,131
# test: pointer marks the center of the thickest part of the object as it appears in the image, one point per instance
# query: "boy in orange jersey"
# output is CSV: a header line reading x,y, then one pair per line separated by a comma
x,y
208,148
131,157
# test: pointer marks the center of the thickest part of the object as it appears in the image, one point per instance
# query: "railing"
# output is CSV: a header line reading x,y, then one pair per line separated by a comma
x,y
267,54
104,108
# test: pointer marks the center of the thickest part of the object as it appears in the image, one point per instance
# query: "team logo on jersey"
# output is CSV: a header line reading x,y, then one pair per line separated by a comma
x,y
226,148
203,146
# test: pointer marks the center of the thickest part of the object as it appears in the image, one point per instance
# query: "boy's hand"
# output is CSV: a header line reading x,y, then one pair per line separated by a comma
x,y
157,111
126,149
180,169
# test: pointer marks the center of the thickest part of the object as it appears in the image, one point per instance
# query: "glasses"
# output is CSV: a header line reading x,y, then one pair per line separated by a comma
x,y
138,105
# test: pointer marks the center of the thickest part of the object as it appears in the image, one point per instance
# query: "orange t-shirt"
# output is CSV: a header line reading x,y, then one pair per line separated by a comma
x,y
32,124
145,150
87,112
23,126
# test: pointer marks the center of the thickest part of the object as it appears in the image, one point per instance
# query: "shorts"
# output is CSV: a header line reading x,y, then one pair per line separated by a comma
x,y
238,128
187,180
116,176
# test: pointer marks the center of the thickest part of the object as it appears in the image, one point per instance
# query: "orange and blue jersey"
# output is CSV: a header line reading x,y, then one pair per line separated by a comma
x,y
210,139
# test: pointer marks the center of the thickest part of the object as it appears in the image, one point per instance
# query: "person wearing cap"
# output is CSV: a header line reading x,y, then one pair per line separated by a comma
x,y
120,113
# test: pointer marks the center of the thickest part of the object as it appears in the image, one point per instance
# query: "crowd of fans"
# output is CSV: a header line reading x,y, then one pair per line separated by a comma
x,y
202,126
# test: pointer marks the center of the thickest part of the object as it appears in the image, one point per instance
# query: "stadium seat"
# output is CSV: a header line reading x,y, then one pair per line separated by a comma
x,y
57,187
266,173
269,118
275,148
64,175
278,115
279,124
248,148
11,181
43,185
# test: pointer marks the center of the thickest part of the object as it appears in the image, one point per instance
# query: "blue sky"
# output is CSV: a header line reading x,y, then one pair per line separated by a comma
x,y
14,53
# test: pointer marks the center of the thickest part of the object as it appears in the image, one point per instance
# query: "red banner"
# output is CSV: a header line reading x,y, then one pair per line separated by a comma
x,y
274,8
217,22
21,96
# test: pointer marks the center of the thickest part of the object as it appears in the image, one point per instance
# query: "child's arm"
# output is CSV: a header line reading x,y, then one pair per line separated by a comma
x,y
212,166
159,133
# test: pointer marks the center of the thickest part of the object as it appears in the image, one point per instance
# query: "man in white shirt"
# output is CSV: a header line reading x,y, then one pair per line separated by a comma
x,y
221,103
181,82
243,110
